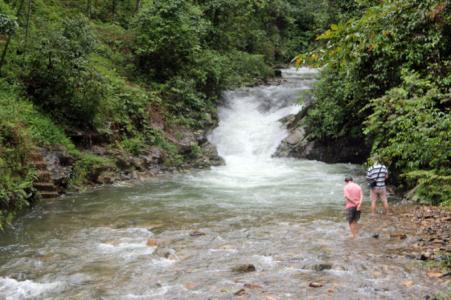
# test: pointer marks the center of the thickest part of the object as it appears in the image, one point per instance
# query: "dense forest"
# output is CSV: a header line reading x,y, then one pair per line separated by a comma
x,y
110,71
386,83
79,73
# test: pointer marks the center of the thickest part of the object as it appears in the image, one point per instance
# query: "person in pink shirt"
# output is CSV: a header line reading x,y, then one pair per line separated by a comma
x,y
353,202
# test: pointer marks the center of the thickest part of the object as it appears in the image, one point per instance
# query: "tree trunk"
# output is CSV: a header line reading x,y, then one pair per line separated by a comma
x,y
138,6
113,10
88,8
8,41
27,26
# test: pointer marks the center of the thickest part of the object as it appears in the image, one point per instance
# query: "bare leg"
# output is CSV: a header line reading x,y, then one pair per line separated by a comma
x,y
354,229
385,202
383,196
373,198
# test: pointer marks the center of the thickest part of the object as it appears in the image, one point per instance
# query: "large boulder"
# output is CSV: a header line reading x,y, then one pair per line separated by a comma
x,y
59,164
298,143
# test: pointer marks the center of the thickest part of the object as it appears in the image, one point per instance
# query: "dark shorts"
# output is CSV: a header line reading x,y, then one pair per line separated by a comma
x,y
352,214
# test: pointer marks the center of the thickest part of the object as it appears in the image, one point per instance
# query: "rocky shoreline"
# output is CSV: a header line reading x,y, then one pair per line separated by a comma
x,y
299,144
194,147
418,232
432,233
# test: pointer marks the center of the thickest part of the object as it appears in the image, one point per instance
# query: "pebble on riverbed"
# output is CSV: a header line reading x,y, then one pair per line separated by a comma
x,y
152,243
432,226
197,233
322,267
244,268
315,284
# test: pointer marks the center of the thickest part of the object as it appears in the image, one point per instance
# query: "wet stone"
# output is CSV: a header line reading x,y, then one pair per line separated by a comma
x,y
152,243
315,284
322,267
240,292
189,285
252,286
434,274
244,268
197,233
400,236
408,283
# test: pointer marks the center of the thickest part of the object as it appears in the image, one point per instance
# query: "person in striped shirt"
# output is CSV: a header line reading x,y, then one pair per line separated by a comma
x,y
376,176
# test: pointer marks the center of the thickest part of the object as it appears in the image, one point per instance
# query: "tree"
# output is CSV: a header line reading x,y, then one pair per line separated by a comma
x,y
59,78
168,37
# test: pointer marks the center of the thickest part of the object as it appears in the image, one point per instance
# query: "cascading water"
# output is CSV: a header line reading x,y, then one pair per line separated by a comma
x,y
249,131
281,215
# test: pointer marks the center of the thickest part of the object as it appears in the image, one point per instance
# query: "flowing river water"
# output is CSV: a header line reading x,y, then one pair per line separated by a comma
x,y
283,216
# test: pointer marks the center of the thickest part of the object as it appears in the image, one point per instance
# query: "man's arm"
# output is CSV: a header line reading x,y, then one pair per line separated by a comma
x,y
361,200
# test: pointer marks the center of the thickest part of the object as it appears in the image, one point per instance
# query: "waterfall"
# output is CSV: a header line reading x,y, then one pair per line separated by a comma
x,y
249,130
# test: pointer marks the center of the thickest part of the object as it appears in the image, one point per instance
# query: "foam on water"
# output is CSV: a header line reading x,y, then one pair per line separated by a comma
x,y
12,289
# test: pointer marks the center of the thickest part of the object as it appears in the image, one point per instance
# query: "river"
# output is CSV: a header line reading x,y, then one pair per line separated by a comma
x,y
283,216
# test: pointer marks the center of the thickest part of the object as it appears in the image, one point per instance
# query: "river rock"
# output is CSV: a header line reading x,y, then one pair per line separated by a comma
x,y
189,285
408,283
197,233
401,236
432,274
246,268
168,253
315,284
152,243
322,267
300,144
252,286
107,177
240,292
59,164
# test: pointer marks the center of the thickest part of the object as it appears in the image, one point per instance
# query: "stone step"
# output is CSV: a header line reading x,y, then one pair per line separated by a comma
x,y
41,165
44,176
49,195
36,156
45,186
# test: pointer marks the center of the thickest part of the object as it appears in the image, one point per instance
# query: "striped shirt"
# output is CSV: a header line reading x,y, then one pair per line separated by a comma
x,y
377,173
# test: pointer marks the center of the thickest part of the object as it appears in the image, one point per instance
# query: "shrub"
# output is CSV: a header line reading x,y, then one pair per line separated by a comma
x,y
59,79
167,37
16,176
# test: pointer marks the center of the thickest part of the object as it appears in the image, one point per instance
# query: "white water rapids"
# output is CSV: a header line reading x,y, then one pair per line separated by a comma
x,y
283,216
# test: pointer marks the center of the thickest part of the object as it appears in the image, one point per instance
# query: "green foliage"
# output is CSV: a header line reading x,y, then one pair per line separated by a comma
x,y
8,25
87,166
168,37
133,145
409,129
16,177
59,79
387,78
430,187
106,68
16,110
171,158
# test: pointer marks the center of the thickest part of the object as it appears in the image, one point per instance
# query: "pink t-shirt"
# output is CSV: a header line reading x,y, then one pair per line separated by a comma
x,y
352,192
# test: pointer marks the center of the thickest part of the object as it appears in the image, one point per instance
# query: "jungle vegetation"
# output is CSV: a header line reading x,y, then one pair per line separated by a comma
x,y
102,67
386,81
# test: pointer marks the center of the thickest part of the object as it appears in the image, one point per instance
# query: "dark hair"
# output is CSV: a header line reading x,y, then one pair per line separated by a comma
x,y
348,178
